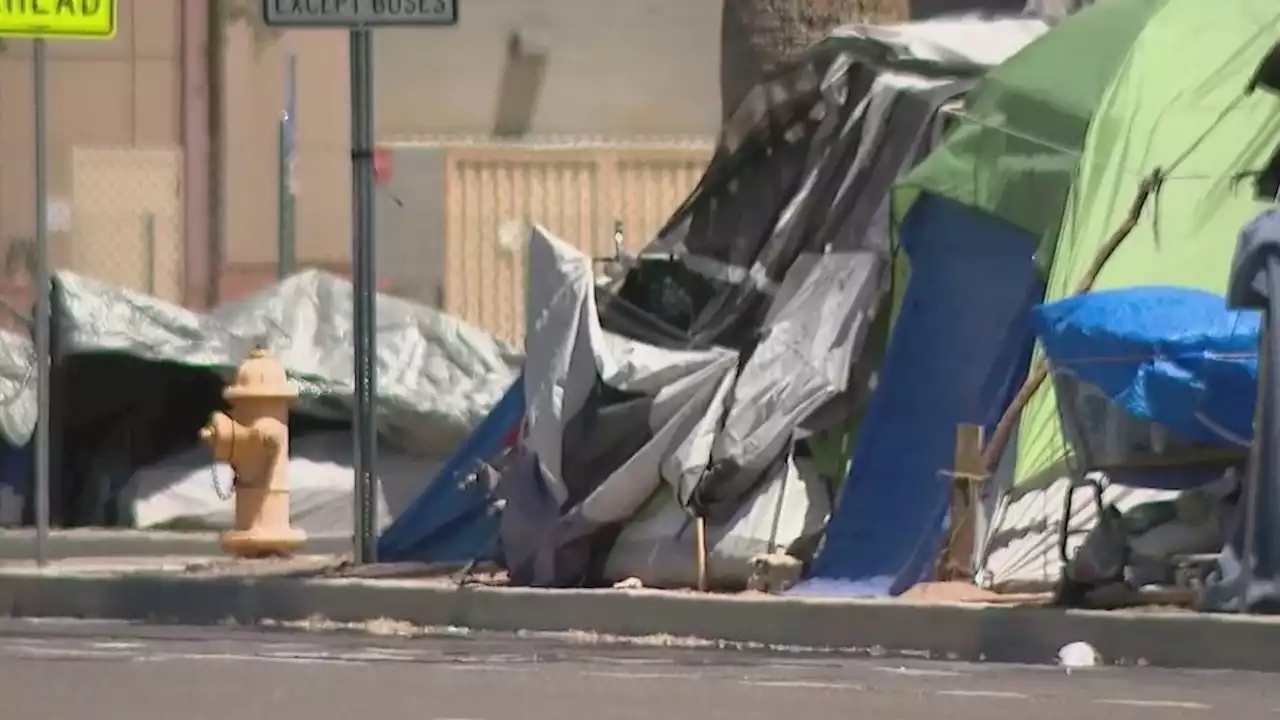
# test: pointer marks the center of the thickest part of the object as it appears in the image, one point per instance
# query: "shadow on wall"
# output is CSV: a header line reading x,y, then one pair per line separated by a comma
x,y
521,85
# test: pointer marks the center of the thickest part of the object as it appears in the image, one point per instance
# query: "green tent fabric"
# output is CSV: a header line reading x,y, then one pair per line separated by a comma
x,y
1176,106
1016,146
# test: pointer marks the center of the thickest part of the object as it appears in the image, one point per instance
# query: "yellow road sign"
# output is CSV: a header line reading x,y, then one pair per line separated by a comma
x,y
85,19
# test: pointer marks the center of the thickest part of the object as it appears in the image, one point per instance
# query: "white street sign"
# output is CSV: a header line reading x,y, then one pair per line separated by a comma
x,y
358,13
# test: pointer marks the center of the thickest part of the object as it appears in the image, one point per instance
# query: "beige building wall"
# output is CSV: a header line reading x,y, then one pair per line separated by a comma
x,y
116,155
516,70
511,70
119,96
617,68
254,92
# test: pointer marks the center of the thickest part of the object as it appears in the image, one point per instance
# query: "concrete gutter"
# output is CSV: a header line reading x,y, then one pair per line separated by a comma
x,y
970,632
19,544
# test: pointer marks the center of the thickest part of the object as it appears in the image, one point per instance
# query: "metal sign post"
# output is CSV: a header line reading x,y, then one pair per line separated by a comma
x,y
44,318
360,17
286,191
83,20
363,272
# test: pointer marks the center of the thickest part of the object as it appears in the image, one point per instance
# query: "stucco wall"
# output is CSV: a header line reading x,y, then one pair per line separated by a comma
x,y
582,68
253,85
126,95
116,94
593,67
511,68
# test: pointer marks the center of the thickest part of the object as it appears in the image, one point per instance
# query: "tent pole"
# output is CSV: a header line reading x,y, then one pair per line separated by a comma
x,y
1254,472
1039,370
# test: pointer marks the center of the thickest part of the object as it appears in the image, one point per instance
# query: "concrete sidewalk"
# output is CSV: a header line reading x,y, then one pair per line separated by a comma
x,y
176,590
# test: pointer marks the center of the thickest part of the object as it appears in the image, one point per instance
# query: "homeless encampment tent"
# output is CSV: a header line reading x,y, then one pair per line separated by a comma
x,y
1087,161
135,378
722,378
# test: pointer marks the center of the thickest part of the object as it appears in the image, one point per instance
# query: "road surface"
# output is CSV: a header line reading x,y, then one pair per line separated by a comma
x,y
101,671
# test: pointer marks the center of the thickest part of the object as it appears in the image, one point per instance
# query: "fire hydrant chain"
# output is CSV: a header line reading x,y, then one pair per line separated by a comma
x,y
223,495
217,489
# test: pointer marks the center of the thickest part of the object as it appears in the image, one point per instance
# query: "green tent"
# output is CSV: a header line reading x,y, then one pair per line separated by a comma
x,y
1059,139
1016,146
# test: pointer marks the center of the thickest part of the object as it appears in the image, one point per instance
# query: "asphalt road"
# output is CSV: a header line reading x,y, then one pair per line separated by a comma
x,y
83,671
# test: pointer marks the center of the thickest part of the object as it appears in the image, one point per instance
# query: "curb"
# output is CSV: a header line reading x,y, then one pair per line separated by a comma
x,y
17,544
992,633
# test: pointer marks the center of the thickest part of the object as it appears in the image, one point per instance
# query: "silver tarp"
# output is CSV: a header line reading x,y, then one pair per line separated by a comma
x,y
549,519
17,388
569,353
437,376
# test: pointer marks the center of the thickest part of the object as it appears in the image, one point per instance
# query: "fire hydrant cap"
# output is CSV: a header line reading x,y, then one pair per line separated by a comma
x,y
260,376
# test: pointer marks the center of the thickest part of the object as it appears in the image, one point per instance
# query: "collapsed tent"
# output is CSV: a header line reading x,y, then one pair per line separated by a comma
x,y
134,378
1087,161
723,377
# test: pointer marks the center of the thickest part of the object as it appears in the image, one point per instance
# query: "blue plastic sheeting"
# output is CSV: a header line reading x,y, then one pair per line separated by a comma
x,y
450,522
1174,356
15,468
959,349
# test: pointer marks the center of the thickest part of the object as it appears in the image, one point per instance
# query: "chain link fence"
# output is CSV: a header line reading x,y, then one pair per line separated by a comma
x,y
111,183
113,180
194,165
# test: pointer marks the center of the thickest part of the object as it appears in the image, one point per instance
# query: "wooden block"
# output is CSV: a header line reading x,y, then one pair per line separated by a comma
x,y
968,463
967,476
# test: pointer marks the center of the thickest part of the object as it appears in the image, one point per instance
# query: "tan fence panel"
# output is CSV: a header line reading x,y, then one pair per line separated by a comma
x,y
125,216
648,187
494,194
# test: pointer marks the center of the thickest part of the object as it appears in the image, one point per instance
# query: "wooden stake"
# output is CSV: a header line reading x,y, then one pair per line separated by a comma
x,y
967,478
700,550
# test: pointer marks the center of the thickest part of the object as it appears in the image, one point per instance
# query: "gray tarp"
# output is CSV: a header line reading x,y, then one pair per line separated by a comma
x,y
686,393
437,376
568,353
811,338
797,246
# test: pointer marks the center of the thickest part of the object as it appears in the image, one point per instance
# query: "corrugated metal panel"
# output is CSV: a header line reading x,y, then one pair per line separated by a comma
x,y
494,194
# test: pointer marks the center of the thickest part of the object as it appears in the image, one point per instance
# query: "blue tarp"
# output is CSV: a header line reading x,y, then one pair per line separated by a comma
x,y
959,350
1174,356
451,521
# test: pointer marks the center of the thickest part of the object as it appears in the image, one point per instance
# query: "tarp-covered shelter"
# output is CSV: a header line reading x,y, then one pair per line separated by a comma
x,y
135,377
723,377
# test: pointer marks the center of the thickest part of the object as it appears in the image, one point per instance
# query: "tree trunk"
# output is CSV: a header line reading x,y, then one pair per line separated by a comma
x,y
758,35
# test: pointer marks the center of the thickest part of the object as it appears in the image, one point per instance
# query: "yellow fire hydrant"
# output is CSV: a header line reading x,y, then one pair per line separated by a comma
x,y
254,440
